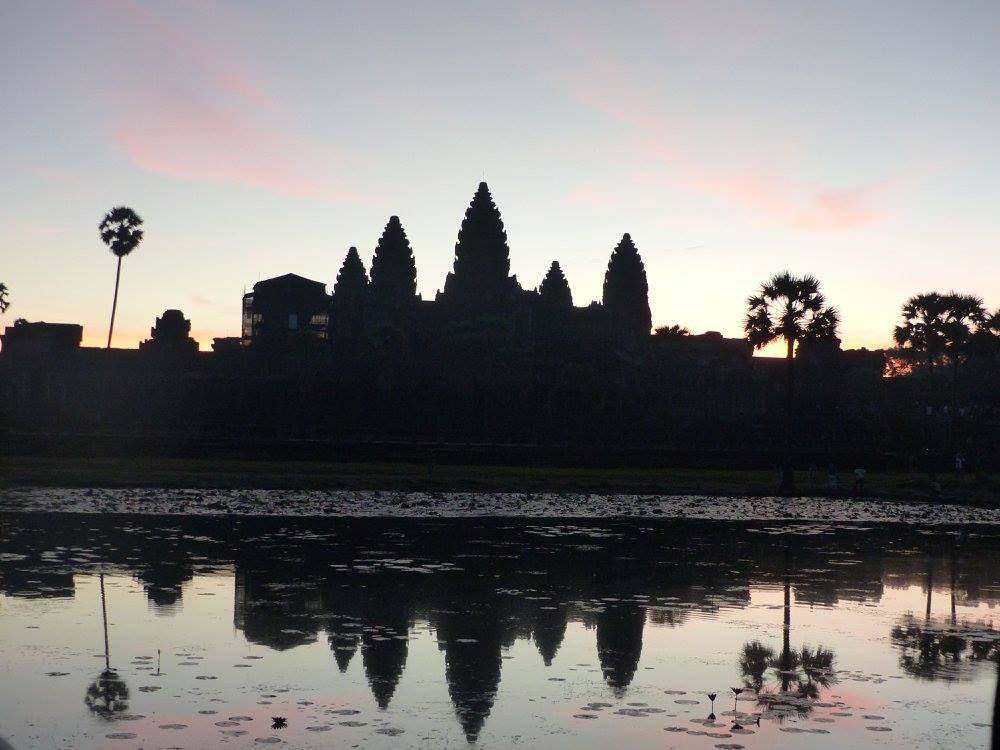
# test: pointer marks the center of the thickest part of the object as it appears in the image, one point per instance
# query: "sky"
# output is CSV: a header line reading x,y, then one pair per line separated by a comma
x,y
856,141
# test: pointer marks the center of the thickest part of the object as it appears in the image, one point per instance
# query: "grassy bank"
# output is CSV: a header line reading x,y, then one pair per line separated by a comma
x,y
241,474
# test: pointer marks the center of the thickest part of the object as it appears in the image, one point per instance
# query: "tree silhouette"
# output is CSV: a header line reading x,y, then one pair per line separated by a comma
x,y
671,333
922,332
626,291
790,308
394,270
941,326
554,291
986,339
121,232
4,298
482,258
964,314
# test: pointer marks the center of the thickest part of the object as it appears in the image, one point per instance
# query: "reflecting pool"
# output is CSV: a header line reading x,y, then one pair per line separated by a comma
x,y
122,631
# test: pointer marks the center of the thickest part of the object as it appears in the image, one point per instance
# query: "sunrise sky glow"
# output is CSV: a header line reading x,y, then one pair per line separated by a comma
x,y
853,140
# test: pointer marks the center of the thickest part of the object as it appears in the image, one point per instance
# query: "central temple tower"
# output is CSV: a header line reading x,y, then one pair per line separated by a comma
x,y
480,280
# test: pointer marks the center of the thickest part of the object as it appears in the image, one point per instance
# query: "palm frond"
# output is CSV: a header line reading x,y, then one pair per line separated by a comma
x,y
120,230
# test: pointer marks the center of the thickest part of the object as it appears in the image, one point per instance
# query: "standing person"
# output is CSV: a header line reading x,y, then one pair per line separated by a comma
x,y
859,481
831,478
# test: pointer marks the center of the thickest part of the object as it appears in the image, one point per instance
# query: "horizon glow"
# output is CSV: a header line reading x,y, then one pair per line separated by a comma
x,y
856,142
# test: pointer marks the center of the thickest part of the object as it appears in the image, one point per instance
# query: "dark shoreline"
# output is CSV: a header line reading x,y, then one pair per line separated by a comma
x,y
786,514
234,474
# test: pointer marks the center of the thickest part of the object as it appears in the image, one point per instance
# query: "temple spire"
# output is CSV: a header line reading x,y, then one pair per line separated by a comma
x,y
482,259
394,270
554,291
626,291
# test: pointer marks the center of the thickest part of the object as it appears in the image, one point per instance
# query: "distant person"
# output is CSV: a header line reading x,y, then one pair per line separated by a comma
x,y
813,477
831,478
859,481
959,463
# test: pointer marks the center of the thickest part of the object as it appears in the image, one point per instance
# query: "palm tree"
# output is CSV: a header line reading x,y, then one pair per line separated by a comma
x,y
671,333
938,325
4,299
121,232
923,330
964,315
986,339
790,308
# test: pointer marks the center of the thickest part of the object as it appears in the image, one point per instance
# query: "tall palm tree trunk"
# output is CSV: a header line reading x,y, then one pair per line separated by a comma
x,y
995,743
931,402
786,639
954,381
104,617
930,585
953,417
787,473
786,642
954,575
114,304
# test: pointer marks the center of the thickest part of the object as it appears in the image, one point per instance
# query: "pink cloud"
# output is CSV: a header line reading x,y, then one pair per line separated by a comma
x,y
226,73
196,114
797,206
596,81
192,140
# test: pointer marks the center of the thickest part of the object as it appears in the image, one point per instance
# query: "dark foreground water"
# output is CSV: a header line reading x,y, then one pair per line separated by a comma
x,y
504,633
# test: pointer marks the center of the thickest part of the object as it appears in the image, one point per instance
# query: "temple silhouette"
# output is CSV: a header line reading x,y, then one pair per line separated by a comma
x,y
373,370
290,311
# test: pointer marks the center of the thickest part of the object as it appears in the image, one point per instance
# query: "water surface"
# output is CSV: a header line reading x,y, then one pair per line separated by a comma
x,y
443,632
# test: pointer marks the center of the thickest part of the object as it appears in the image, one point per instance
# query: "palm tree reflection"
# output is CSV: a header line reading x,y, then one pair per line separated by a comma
x,y
754,661
107,696
800,673
934,650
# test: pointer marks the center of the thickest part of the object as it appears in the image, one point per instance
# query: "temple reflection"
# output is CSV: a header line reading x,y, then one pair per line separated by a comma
x,y
385,628
363,586
470,636
619,644
548,628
